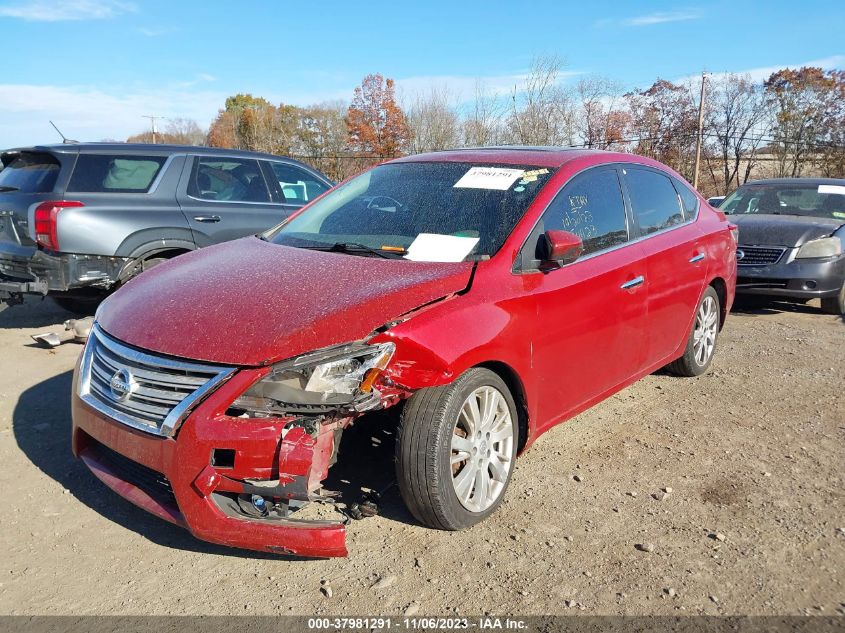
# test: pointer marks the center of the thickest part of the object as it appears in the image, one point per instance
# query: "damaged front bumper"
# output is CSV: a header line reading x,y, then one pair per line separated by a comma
x,y
199,477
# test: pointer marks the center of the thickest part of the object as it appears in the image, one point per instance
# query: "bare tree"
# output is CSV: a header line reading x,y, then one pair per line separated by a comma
x,y
541,111
177,131
600,118
434,122
736,123
483,123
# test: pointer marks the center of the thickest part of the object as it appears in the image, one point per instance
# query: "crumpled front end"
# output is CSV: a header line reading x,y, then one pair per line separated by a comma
x,y
229,479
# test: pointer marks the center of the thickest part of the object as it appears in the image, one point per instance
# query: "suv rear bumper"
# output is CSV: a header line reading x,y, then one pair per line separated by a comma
x,y
43,272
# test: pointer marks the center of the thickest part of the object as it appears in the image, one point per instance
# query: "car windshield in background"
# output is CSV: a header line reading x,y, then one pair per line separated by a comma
x,y
820,201
30,172
426,211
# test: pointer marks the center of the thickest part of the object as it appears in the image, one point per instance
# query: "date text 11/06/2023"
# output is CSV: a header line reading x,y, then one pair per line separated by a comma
x,y
417,623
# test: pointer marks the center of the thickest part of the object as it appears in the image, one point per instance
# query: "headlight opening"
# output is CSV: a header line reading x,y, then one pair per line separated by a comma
x,y
335,378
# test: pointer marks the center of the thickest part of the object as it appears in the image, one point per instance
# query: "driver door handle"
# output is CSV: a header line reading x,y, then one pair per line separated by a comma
x,y
633,283
207,218
697,258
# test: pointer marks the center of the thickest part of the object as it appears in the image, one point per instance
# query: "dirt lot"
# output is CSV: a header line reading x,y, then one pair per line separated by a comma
x,y
754,524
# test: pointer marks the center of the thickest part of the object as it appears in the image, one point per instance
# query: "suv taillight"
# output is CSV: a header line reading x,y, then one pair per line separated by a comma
x,y
47,224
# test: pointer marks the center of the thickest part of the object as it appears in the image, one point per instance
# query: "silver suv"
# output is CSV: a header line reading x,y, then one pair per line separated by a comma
x,y
77,220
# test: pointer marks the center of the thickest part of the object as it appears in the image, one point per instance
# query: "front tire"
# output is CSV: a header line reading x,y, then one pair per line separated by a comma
x,y
701,344
835,305
455,450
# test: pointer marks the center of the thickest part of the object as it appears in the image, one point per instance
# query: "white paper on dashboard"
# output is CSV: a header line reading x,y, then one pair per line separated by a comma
x,y
835,189
500,178
431,247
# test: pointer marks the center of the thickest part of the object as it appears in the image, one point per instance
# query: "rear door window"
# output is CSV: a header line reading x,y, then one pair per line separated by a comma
x,y
30,172
297,185
654,200
228,180
591,206
114,173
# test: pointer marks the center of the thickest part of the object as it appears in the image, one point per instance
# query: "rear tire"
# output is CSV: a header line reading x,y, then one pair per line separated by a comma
x,y
440,439
701,345
835,305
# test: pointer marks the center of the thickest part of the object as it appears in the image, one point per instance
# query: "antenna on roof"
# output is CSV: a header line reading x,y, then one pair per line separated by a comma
x,y
64,138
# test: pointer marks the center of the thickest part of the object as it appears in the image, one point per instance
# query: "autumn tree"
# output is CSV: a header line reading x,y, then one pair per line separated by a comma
x,y
433,122
808,107
376,124
323,136
663,124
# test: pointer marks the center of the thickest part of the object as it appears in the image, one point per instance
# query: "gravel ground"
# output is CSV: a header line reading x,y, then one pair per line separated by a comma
x,y
719,495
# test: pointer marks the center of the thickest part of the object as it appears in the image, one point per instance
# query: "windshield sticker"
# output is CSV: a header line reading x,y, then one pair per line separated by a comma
x,y
431,247
834,189
498,178
531,176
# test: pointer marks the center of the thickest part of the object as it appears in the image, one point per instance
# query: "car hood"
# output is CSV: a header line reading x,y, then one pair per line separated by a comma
x,y
249,302
782,230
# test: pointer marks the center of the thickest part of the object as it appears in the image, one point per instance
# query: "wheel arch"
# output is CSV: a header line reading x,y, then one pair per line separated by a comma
x,y
514,382
721,287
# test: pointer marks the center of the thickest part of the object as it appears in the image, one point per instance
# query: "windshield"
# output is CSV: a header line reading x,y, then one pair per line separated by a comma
x,y
820,201
426,211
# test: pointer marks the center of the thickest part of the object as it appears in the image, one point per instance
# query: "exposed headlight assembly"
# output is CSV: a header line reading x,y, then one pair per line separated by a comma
x,y
335,378
824,247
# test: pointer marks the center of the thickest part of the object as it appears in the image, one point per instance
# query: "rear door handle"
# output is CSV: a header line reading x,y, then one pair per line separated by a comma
x,y
207,218
633,283
697,258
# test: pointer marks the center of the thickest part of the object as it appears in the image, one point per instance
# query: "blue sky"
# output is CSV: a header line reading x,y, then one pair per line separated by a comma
x,y
96,66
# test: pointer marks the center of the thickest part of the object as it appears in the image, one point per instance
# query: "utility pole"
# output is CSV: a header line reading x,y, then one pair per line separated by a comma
x,y
152,119
700,130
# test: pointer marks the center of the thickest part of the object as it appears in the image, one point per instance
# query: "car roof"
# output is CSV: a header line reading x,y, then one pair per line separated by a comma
x,y
145,148
797,181
541,156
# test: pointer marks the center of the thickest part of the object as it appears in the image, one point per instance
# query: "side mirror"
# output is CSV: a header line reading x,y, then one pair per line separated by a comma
x,y
560,247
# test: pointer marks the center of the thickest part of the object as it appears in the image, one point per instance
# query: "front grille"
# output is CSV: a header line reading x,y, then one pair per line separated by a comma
x,y
145,391
150,481
759,255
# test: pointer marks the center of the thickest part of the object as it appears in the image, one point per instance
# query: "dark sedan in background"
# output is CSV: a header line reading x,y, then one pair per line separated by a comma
x,y
791,235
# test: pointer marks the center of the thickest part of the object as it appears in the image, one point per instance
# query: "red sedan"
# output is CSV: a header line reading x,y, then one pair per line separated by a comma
x,y
484,295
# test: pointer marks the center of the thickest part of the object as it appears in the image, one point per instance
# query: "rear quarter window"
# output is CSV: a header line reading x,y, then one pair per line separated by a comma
x,y
30,172
104,173
688,199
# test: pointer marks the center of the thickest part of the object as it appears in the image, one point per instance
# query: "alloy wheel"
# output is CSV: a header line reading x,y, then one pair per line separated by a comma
x,y
482,449
706,328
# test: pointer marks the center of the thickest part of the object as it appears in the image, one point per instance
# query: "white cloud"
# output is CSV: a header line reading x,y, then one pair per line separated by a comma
x,y
63,10
462,88
761,73
90,114
660,17
93,113
156,31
